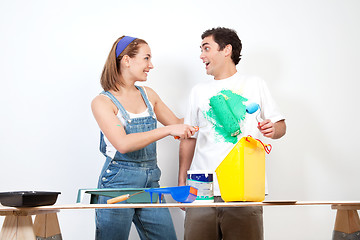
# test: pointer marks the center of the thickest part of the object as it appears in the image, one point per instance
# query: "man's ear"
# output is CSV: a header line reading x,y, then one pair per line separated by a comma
x,y
228,50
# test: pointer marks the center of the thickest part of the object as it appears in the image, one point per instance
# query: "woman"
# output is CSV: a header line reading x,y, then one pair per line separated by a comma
x,y
127,116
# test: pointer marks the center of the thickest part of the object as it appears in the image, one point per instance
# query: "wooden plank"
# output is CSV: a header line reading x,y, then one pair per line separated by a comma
x,y
347,221
25,228
38,210
25,211
40,225
8,231
345,207
46,225
17,228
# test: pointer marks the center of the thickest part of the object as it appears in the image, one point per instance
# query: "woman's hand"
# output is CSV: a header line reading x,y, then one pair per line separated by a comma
x,y
182,131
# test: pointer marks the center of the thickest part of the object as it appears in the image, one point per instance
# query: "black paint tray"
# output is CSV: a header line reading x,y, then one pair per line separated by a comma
x,y
28,198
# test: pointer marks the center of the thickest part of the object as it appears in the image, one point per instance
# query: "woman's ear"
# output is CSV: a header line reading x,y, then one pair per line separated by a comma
x,y
126,61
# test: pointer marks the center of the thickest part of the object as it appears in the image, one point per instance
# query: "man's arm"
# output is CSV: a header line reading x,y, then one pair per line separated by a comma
x,y
272,130
186,153
280,129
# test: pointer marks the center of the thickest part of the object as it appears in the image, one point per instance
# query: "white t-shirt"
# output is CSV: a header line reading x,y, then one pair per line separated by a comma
x,y
211,147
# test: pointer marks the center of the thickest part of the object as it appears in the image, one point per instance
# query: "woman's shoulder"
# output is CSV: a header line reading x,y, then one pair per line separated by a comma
x,y
152,95
101,100
147,89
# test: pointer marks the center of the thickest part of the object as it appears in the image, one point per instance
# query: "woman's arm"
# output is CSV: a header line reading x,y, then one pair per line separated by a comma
x,y
104,112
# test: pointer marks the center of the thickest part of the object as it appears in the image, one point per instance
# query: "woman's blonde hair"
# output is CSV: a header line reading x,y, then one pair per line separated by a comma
x,y
111,72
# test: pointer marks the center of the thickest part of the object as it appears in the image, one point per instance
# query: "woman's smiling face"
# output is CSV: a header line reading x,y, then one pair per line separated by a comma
x,y
141,64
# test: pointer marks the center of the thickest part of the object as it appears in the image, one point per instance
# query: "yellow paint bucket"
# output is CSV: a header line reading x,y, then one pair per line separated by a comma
x,y
241,175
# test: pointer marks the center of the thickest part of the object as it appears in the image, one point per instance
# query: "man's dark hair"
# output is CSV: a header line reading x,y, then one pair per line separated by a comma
x,y
224,36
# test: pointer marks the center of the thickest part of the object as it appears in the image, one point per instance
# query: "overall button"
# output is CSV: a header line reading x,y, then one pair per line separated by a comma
x,y
108,171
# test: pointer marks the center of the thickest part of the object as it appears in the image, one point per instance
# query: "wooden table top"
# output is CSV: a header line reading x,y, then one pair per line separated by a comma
x,y
335,205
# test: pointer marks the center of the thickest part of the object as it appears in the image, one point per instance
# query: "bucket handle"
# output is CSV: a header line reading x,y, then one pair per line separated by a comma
x,y
267,147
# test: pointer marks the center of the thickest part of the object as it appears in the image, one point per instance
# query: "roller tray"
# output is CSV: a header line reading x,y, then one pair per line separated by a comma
x,y
28,198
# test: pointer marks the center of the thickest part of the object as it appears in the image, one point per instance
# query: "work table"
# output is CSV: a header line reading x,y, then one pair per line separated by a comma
x,y
18,222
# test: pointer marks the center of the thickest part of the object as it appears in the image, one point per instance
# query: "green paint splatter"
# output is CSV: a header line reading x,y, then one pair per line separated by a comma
x,y
227,110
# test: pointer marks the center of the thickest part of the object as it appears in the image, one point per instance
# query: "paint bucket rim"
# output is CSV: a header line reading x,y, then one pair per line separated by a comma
x,y
200,172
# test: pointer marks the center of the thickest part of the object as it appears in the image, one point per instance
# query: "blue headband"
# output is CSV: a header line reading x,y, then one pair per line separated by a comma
x,y
122,44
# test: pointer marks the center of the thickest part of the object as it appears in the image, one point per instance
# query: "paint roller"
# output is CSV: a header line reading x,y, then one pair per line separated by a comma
x,y
225,115
252,108
196,129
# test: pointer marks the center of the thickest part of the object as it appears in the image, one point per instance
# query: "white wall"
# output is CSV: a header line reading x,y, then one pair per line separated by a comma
x,y
52,54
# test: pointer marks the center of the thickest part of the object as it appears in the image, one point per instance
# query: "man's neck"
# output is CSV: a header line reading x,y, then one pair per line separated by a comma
x,y
226,73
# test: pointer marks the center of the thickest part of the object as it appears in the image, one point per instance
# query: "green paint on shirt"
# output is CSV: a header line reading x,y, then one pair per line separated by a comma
x,y
227,110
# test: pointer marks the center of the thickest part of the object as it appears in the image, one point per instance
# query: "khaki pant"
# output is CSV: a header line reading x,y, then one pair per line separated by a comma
x,y
228,223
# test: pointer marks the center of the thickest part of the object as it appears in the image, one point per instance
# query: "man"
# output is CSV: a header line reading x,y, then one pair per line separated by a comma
x,y
220,52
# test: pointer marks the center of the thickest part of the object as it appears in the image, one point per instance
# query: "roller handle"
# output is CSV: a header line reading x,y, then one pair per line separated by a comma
x,y
118,199
196,129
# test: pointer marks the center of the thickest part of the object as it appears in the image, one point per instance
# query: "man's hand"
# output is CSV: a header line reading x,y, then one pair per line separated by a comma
x,y
272,130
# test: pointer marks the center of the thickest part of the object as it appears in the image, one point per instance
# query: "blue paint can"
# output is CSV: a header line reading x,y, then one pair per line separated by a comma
x,y
203,181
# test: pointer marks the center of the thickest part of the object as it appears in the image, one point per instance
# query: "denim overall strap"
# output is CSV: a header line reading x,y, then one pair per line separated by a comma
x,y
133,125
118,105
147,102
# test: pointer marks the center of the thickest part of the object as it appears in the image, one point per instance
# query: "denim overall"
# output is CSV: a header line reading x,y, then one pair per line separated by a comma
x,y
136,169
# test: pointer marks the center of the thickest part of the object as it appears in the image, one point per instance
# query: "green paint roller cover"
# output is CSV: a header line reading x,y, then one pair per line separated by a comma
x,y
224,115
